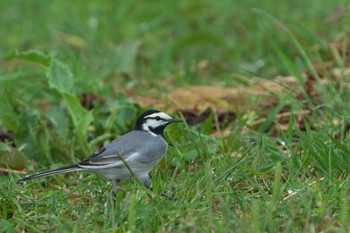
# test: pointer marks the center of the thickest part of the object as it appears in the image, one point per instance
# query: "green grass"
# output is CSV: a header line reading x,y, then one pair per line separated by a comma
x,y
249,180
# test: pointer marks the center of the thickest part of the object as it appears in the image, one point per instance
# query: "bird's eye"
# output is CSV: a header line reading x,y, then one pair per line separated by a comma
x,y
157,118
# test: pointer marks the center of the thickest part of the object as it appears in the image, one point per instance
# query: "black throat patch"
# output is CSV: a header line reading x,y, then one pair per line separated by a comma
x,y
158,130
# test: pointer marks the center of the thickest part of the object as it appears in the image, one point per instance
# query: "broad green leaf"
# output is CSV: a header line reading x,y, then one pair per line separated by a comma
x,y
81,117
208,125
4,147
76,111
59,119
25,135
60,76
191,154
83,125
12,158
7,114
31,55
43,141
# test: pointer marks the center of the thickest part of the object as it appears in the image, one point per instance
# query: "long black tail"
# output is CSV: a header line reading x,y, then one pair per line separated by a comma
x,y
73,168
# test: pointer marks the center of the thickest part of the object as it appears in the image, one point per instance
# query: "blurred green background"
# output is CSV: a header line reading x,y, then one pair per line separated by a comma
x,y
139,43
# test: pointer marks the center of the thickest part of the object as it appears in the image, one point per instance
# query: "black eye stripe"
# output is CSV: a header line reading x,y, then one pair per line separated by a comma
x,y
155,118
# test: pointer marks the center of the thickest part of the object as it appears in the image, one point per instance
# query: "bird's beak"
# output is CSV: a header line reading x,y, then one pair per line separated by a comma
x,y
174,121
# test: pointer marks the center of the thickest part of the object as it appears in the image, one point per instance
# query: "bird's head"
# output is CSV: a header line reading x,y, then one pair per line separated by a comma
x,y
154,122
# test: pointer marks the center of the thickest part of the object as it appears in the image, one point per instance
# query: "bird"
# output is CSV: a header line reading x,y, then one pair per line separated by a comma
x,y
133,154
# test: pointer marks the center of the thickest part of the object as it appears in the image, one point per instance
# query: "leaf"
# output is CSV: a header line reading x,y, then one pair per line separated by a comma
x,y
25,135
80,116
43,141
7,114
31,55
83,125
12,158
60,77
126,56
76,111
59,119
208,124
4,147
191,154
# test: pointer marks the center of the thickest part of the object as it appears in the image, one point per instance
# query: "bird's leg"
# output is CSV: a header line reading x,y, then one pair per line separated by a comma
x,y
115,186
147,184
171,198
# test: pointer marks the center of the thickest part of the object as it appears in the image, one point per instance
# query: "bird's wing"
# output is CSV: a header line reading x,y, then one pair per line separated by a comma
x,y
105,157
113,154
102,162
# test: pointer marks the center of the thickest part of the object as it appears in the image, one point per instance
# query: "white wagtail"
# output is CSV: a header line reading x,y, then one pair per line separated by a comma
x,y
133,154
